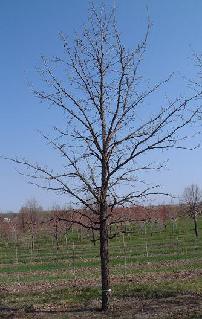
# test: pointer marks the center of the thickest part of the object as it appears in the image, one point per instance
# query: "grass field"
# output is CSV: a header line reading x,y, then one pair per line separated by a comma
x,y
152,269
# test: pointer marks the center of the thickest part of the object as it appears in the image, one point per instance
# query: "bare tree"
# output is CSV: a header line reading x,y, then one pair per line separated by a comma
x,y
56,225
192,198
110,133
29,219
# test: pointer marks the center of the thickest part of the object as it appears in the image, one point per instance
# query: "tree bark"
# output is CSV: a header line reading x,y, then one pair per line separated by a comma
x,y
104,257
195,226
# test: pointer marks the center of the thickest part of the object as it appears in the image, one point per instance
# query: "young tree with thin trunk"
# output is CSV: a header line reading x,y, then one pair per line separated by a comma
x,y
28,219
110,133
56,225
192,199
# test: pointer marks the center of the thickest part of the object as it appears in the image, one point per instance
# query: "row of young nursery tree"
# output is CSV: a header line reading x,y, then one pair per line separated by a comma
x,y
34,222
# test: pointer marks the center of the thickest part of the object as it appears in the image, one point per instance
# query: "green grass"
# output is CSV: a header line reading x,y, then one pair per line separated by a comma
x,y
69,295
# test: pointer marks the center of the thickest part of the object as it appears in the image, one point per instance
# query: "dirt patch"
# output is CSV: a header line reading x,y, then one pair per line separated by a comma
x,y
179,307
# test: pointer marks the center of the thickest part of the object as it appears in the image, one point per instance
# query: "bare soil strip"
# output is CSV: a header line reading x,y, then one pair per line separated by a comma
x,y
180,307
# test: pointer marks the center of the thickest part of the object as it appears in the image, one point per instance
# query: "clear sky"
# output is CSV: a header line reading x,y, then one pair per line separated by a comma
x,y
29,29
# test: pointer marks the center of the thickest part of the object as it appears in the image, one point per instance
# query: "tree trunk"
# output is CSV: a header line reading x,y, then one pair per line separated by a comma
x,y
32,242
93,240
195,226
104,258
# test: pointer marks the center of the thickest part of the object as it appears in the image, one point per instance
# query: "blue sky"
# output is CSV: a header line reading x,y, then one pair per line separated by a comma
x,y
29,29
